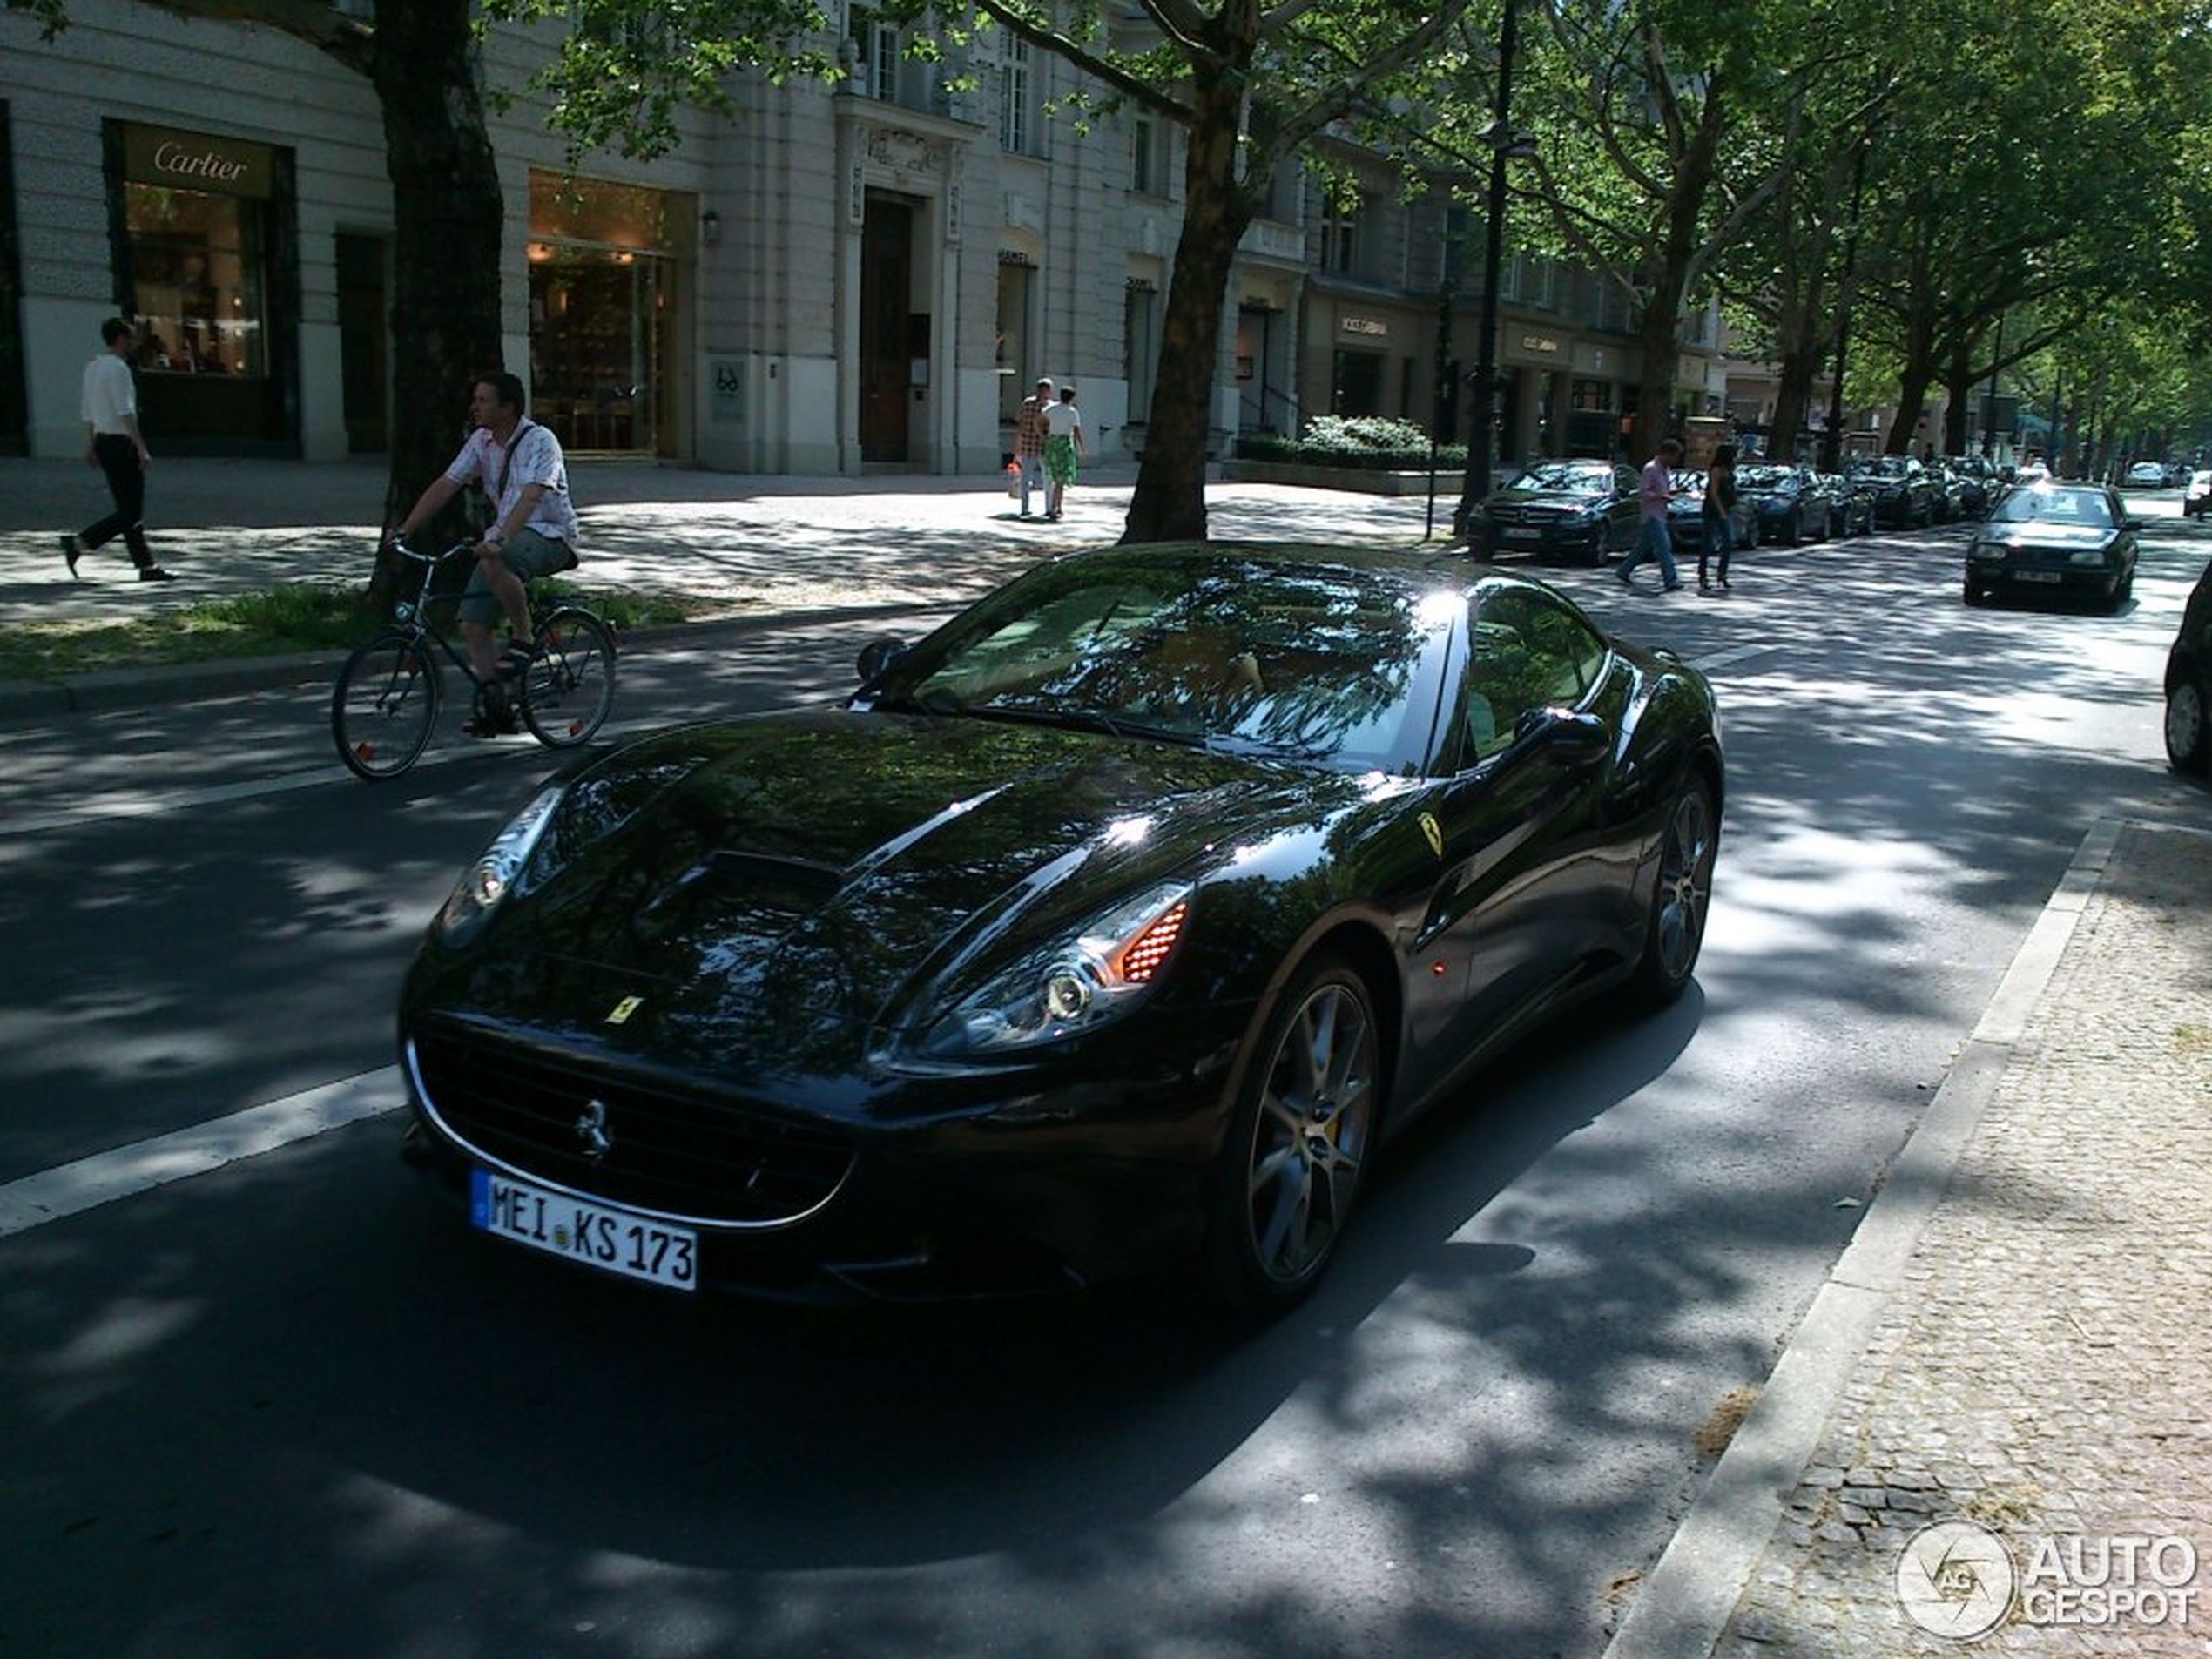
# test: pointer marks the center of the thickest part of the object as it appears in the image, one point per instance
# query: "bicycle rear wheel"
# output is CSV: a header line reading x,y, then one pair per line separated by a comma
x,y
384,705
569,689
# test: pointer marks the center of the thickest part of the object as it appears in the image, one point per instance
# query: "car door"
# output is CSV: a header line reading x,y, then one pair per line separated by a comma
x,y
1620,515
1525,892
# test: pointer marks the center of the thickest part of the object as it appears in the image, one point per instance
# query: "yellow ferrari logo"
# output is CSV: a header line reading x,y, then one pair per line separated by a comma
x,y
624,1009
1434,831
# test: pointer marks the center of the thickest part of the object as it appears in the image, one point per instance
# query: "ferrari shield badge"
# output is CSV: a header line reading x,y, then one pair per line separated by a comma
x,y
1434,832
624,1009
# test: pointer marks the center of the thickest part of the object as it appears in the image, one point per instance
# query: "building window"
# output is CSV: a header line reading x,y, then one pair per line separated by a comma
x,y
1340,237
1148,169
1016,120
196,287
1141,346
876,47
1529,281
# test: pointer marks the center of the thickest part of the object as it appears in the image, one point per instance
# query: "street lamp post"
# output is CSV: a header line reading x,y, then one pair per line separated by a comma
x,y
1504,145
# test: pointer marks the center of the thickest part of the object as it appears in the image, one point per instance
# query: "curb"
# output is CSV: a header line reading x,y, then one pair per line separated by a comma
x,y
1683,1609
111,690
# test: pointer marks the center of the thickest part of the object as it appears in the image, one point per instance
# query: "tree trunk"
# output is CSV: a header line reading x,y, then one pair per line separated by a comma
x,y
1169,501
447,213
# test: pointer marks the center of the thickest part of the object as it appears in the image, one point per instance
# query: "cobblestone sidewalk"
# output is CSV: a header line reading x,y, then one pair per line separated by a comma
x,y
2046,1372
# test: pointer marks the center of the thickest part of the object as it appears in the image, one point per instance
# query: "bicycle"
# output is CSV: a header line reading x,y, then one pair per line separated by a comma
x,y
388,696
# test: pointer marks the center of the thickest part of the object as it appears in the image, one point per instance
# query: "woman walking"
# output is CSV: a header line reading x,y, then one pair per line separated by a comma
x,y
1063,442
1718,517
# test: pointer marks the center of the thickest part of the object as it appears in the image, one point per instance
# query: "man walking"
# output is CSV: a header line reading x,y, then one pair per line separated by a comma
x,y
1030,431
113,442
1654,540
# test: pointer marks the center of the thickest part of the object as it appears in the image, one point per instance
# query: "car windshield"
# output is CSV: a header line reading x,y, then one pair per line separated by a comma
x,y
1582,480
1330,665
2046,505
1766,478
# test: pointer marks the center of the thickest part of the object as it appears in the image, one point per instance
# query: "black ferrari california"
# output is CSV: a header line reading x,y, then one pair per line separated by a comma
x,y
1116,923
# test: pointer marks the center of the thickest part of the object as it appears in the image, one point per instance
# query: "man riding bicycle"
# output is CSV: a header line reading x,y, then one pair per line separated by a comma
x,y
533,531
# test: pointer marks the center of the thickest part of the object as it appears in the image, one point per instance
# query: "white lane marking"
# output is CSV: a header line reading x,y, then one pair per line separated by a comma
x,y
128,1170
1728,658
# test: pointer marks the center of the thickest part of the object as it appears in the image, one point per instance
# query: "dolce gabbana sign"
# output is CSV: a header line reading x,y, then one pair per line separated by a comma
x,y
196,161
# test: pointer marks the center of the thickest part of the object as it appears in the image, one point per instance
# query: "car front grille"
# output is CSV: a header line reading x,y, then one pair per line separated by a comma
x,y
683,1156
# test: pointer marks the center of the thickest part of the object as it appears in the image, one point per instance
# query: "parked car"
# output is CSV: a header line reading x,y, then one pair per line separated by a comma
x,y
1787,501
1851,503
1583,510
1116,923
2189,683
1904,495
1947,493
1686,517
2145,475
2056,539
1976,483
2196,496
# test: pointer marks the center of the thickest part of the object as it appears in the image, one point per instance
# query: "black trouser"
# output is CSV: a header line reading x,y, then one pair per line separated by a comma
x,y
126,481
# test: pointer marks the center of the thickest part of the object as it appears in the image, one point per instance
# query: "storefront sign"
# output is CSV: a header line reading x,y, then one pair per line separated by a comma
x,y
1542,345
196,161
1373,328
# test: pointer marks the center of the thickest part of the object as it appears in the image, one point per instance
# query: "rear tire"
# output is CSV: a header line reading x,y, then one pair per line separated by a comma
x,y
385,704
569,689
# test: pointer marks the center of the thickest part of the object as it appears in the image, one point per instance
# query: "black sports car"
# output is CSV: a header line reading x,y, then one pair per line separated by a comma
x,y
1118,921
2054,540
2189,683
1904,494
1579,510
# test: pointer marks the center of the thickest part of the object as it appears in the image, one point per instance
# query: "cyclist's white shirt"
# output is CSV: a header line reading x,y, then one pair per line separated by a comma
x,y
533,457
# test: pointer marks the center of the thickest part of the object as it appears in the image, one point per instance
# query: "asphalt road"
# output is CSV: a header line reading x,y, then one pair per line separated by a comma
x,y
288,1406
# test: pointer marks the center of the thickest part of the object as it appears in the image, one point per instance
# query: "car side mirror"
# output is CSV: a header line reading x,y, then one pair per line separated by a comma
x,y
1576,736
877,656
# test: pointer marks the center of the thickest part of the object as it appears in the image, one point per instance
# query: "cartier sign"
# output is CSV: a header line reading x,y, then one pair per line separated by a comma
x,y
197,161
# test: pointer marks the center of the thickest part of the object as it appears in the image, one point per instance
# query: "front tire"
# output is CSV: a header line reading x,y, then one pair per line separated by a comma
x,y
1675,931
384,705
1298,1142
2189,723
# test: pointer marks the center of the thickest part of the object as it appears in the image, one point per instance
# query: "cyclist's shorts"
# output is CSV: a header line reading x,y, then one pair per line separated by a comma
x,y
528,555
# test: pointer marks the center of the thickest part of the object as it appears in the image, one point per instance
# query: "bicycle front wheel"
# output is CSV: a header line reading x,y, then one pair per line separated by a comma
x,y
384,705
569,689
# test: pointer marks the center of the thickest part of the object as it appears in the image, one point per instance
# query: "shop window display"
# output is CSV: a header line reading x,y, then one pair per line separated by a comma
x,y
196,264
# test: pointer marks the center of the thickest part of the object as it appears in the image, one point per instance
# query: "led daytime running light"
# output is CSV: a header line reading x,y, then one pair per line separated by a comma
x,y
1141,957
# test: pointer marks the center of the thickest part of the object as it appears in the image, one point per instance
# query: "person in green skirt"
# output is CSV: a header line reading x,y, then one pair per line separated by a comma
x,y
1063,442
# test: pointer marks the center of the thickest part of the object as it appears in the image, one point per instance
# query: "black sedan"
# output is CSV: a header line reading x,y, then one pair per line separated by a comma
x,y
1788,502
1117,922
1904,495
1686,518
2054,540
1581,510
2189,683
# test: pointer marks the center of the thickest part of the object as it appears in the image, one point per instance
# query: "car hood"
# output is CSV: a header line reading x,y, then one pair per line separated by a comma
x,y
1556,501
2058,537
770,890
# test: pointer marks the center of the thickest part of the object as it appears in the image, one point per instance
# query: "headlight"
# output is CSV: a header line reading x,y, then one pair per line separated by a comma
x,y
2091,556
492,876
1079,983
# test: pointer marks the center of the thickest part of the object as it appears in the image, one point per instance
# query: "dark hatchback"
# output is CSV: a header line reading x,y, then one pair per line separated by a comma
x,y
1582,511
2055,540
1788,502
1905,495
2189,683
1116,923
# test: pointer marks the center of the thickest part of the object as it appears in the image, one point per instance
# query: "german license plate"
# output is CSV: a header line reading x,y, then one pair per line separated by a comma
x,y
578,1231
1519,533
2036,575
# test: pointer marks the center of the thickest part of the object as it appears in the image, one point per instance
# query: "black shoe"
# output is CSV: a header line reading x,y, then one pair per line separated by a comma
x,y
1670,587
155,573
72,550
